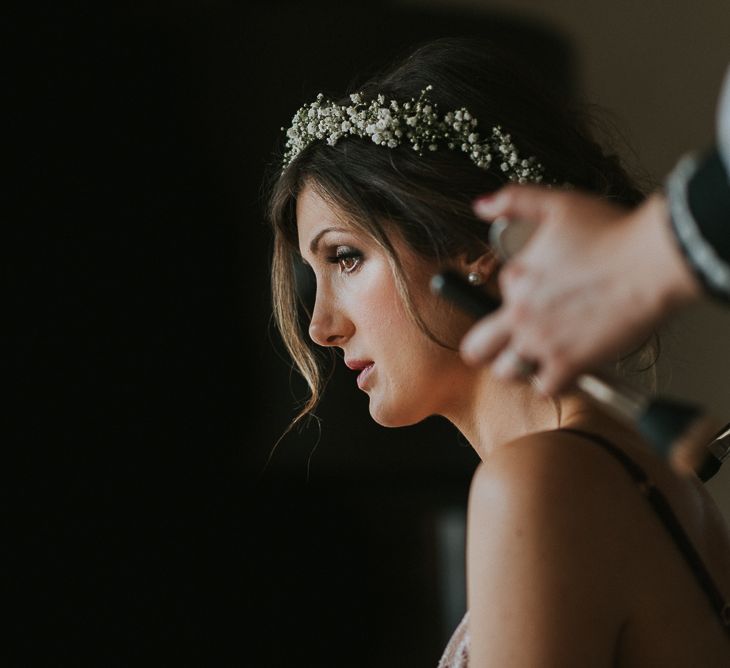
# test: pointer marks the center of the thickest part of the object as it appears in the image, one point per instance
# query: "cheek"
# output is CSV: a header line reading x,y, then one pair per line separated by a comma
x,y
393,329
379,305
390,326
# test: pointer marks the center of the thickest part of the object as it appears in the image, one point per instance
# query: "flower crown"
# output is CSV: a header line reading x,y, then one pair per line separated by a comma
x,y
416,122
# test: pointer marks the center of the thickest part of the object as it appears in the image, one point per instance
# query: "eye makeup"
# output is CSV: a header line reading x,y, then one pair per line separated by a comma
x,y
347,257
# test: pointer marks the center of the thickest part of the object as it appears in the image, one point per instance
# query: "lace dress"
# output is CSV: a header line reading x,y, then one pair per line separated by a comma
x,y
456,654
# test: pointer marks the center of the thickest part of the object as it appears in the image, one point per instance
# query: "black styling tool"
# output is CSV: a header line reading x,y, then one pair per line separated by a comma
x,y
680,431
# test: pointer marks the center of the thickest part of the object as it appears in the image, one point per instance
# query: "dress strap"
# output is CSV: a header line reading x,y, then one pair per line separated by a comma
x,y
665,513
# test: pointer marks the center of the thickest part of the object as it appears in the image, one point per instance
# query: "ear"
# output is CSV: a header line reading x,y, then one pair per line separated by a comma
x,y
484,265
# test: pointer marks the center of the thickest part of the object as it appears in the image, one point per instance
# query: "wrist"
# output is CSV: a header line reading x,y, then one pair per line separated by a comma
x,y
673,282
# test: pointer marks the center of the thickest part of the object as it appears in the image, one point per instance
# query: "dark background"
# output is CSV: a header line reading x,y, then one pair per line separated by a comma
x,y
148,385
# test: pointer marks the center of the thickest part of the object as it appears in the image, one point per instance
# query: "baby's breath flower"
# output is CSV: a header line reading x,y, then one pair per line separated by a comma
x,y
415,122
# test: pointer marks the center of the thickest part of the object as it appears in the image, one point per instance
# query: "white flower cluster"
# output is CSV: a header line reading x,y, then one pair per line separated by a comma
x,y
416,122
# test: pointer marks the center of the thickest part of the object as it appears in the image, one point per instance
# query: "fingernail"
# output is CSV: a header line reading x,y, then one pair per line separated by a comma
x,y
484,205
471,348
468,355
501,367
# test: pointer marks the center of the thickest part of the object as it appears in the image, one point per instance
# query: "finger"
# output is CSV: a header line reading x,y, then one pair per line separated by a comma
x,y
531,202
511,365
485,339
514,281
554,378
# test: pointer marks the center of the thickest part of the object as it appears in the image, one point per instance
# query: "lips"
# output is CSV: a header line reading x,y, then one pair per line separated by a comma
x,y
357,365
364,367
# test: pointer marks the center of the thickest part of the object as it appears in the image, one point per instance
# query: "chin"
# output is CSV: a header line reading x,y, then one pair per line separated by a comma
x,y
391,416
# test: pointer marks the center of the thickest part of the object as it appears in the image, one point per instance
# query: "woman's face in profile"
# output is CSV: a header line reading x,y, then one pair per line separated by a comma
x,y
359,309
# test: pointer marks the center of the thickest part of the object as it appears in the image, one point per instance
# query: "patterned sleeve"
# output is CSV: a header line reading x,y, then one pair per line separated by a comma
x,y
698,192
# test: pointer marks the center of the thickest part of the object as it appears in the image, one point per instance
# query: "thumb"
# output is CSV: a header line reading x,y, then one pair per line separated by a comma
x,y
530,202
486,339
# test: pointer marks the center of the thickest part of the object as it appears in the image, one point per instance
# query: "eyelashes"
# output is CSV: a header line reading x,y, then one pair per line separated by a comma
x,y
348,258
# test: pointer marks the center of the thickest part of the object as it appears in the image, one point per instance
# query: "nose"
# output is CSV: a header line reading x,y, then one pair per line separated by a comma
x,y
329,325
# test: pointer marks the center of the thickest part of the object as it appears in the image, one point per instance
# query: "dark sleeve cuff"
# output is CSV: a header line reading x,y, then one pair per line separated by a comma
x,y
698,194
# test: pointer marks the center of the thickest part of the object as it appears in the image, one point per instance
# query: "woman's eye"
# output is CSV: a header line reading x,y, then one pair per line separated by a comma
x,y
347,258
349,262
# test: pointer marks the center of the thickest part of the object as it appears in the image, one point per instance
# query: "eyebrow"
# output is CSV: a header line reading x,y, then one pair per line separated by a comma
x,y
314,242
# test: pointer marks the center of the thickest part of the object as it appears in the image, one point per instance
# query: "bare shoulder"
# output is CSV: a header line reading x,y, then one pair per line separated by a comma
x,y
551,469
552,503
560,496
562,554
546,539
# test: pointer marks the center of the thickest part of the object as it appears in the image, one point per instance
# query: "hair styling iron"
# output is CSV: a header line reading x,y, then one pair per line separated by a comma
x,y
681,432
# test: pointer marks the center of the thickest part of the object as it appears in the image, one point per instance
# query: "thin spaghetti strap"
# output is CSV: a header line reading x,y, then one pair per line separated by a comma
x,y
665,513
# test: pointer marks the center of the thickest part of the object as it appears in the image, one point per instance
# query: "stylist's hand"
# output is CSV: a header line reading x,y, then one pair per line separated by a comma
x,y
590,284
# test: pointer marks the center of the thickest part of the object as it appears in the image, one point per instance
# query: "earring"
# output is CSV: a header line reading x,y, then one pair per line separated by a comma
x,y
474,278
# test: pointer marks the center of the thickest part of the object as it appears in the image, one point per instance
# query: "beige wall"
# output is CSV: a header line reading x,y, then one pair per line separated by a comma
x,y
657,65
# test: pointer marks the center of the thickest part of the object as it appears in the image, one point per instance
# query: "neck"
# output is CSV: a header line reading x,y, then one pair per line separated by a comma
x,y
502,411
